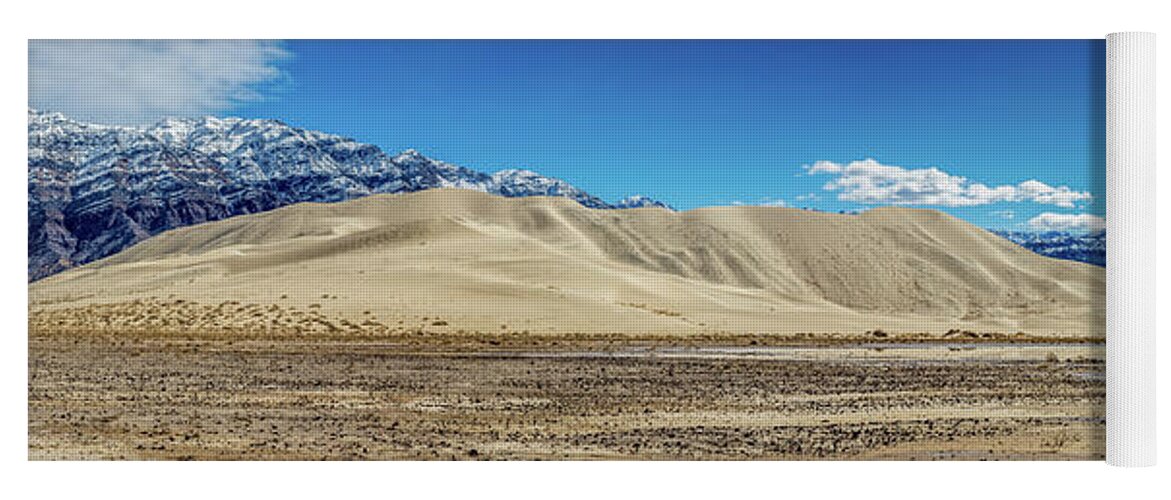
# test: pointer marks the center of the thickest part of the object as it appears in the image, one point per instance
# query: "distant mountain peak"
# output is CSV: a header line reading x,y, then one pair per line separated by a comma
x,y
410,153
640,201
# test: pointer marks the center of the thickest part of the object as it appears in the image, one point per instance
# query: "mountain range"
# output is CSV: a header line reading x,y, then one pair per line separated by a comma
x,y
97,189
1089,248
94,190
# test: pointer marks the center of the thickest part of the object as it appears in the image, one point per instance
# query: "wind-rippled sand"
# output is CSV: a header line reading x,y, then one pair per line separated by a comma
x,y
481,263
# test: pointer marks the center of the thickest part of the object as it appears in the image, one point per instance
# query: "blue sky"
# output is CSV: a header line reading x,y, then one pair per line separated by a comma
x,y
996,132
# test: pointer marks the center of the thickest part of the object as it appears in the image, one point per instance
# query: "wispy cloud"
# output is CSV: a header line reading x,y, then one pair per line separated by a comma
x,y
1049,221
808,197
870,182
764,202
1004,214
136,82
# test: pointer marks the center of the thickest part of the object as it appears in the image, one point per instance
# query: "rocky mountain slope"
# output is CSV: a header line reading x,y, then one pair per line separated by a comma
x,y
95,189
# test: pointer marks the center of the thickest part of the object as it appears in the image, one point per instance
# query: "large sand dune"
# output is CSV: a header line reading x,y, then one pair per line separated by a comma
x,y
470,261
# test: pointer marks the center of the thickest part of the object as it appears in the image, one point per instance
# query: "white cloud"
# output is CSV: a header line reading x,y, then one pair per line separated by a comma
x,y
139,82
827,167
1049,221
870,182
1040,192
1004,214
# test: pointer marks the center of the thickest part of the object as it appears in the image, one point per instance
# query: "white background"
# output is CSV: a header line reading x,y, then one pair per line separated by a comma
x,y
549,19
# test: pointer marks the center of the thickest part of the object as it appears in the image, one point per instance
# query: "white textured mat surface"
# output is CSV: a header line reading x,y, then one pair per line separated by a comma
x,y
1130,184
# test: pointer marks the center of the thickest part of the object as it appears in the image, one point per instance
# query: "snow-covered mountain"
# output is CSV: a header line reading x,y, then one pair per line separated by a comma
x,y
640,201
1089,248
97,189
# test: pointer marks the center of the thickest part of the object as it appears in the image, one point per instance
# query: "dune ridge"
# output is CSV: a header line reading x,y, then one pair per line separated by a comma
x,y
463,260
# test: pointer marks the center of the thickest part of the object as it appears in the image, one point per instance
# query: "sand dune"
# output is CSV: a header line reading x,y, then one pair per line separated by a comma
x,y
470,261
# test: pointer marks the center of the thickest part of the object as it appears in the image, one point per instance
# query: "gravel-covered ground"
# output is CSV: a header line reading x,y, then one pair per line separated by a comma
x,y
93,397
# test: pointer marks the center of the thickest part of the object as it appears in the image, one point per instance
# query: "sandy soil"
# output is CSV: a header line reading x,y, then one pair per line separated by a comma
x,y
97,397
548,265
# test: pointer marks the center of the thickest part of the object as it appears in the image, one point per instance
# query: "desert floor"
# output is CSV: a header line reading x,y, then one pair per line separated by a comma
x,y
144,397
